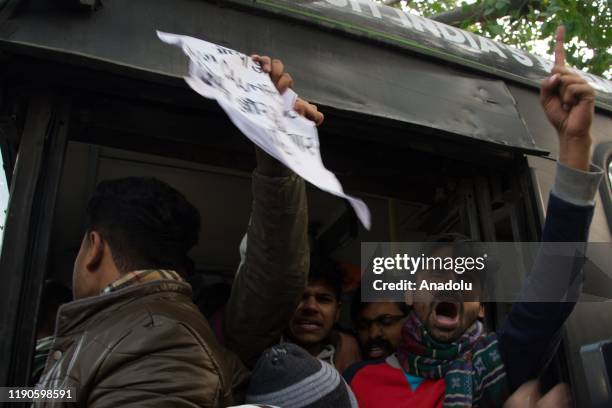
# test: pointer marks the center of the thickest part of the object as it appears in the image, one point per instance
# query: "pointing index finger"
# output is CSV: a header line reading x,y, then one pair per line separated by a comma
x,y
559,47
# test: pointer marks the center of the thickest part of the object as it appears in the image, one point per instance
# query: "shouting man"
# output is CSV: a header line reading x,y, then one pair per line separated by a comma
x,y
444,357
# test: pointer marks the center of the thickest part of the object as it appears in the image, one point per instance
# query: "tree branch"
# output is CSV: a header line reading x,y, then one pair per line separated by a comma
x,y
474,13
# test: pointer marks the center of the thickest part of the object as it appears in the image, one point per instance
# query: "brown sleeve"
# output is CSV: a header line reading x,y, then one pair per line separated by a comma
x,y
272,278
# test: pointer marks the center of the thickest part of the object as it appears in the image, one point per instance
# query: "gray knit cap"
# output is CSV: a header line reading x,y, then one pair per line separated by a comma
x,y
288,377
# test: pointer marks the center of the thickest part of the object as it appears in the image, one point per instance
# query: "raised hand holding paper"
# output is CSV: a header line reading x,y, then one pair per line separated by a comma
x,y
254,105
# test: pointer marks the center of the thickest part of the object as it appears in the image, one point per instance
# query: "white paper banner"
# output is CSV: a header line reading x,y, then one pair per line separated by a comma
x,y
253,104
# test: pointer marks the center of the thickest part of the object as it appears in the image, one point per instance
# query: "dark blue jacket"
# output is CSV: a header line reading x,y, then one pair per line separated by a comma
x,y
531,332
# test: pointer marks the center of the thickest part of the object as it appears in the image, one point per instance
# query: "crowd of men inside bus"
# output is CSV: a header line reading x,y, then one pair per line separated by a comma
x,y
134,337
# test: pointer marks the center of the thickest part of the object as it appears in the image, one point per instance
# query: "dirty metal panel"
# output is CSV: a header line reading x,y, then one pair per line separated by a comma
x,y
390,25
329,69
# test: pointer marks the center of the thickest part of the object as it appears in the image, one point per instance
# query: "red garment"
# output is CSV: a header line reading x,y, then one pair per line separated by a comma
x,y
382,383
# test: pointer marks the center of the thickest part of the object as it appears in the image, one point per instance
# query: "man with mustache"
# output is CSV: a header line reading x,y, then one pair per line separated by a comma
x,y
309,322
444,358
312,323
379,326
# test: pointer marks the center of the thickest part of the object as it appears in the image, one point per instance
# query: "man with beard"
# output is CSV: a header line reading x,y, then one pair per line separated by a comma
x,y
444,357
378,325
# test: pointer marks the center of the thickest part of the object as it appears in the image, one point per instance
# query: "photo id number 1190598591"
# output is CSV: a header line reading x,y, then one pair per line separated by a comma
x,y
33,394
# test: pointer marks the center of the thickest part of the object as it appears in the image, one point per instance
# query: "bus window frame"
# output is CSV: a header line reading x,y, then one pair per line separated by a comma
x,y
24,254
602,157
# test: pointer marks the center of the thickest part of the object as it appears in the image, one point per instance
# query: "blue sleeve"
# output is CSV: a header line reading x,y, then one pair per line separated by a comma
x,y
531,332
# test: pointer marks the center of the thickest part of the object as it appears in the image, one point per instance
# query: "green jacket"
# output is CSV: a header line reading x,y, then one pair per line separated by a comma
x,y
272,277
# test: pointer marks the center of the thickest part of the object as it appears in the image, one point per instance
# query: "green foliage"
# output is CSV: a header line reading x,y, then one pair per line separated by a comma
x,y
588,25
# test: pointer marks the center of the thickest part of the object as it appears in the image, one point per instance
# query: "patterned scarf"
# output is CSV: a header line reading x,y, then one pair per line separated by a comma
x,y
471,366
143,276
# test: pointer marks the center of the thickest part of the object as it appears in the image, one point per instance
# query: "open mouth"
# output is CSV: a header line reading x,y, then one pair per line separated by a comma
x,y
378,349
376,352
446,315
308,325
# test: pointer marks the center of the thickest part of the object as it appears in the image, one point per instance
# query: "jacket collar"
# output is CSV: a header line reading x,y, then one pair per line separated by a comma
x,y
142,276
74,315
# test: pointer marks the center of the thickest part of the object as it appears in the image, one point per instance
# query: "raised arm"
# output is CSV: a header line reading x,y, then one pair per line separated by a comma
x,y
274,270
531,332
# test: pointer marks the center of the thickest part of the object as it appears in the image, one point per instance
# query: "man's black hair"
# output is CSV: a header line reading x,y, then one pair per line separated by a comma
x,y
146,223
462,246
449,239
326,270
452,237
357,305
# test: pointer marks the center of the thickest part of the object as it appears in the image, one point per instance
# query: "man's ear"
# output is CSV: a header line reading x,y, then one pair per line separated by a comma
x,y
338,312
95,251
481,311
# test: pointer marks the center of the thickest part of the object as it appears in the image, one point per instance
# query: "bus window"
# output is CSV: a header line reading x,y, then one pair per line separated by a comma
x,y
4,194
